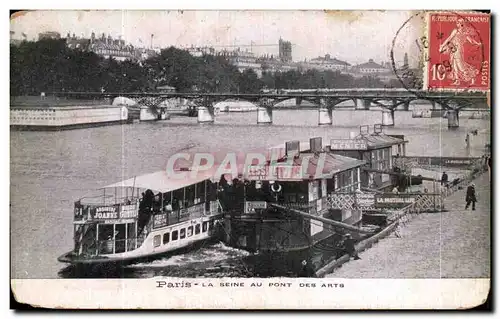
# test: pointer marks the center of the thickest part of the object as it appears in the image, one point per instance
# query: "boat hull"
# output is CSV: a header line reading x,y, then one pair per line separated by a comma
x,y
153,246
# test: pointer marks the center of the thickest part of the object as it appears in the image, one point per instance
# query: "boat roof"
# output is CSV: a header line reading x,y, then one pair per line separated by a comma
x,y
333,164
160,181
378,140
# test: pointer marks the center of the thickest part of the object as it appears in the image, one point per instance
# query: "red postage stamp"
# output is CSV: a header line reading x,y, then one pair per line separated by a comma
x,y
458,52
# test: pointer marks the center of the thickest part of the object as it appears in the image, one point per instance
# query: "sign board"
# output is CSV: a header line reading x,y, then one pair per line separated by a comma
x,y
250,206
274,172
365,199
128,211
104,212
159,220
119,221
394,201
458,162
348,144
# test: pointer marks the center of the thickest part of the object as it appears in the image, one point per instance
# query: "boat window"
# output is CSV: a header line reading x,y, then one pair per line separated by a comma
x,y
205,226
105,232
120,238
131,230
190,195
211,224
190,231
183,233
197,229
157,241
178,199
166,238
200,193
175,235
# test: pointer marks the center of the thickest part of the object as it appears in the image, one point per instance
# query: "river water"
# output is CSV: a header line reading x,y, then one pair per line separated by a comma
x,y
50,170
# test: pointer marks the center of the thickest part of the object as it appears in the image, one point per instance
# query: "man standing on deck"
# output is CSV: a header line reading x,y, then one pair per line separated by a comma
x,y
470,197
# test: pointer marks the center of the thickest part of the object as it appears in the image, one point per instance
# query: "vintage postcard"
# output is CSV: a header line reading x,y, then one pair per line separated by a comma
x,y
167,159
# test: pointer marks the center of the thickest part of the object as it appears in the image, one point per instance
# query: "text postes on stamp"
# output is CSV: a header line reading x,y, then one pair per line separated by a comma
x,y
458,51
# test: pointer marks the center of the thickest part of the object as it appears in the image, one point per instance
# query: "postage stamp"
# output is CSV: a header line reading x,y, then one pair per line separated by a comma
x,y
458,51
226,160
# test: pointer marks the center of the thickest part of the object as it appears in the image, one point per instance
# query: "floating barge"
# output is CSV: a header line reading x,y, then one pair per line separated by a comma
x,y
301,195
66,117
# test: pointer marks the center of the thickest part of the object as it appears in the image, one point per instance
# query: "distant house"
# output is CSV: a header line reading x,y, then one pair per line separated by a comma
x,y
370,67
327,63
166,89
49,35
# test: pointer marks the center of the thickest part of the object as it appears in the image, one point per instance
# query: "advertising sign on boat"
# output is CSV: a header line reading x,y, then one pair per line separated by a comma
x,y
348,144
104,212
128,211
159,220
250,206
274,172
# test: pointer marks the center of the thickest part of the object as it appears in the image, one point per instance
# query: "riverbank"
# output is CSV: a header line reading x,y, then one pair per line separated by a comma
x,y
451,244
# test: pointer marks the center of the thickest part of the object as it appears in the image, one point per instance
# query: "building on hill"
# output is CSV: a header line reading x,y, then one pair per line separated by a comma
x,y
326,63
370,68
49,35
109,47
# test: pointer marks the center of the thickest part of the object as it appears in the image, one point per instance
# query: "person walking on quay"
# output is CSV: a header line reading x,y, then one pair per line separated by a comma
x,y
470,197
349,247
444,179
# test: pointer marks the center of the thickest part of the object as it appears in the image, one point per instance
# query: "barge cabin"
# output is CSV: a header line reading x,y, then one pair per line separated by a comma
x,y
285,204
377,150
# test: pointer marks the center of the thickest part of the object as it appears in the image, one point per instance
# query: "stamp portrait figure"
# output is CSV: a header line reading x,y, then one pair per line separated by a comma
x,y
454,45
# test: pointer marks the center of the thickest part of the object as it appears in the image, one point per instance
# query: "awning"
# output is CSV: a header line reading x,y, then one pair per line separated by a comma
x,y
162,182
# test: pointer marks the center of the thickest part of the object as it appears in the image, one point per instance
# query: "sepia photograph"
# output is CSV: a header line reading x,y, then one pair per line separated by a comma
x,y
198,154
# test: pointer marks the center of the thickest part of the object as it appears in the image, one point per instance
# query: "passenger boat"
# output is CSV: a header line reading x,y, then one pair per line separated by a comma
x,y
142,217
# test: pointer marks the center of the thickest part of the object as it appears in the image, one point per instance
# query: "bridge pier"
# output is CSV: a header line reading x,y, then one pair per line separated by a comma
x,y
362,104
325,113
387,117
298,101
453,121
206,112
406,106
265,111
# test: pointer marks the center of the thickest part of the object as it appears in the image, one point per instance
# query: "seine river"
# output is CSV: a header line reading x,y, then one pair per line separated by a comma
x,y
50,170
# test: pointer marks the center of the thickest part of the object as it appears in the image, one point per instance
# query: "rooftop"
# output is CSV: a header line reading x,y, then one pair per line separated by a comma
x,y
369,65
327,59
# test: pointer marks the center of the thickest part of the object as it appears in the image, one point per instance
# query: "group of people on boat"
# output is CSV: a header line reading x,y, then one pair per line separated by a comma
x,y
152,203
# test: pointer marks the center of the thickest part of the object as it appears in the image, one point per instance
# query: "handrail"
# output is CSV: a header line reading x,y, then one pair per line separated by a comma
x,y
324,220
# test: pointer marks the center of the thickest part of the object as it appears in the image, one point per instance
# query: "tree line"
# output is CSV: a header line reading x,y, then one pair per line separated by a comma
x,y
49,65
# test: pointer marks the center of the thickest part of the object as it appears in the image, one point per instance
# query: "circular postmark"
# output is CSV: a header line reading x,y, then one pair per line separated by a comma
x,y
451,53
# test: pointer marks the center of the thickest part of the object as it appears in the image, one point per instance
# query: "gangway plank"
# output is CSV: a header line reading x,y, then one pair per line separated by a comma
x,y
322,219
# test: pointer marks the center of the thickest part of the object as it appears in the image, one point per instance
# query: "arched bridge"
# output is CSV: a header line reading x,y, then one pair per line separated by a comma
x,y
326,100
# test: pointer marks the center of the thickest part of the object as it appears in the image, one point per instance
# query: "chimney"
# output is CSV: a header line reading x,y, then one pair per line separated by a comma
x,y
315,144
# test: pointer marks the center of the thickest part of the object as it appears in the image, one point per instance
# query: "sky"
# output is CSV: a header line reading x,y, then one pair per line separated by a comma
x,y
352,36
